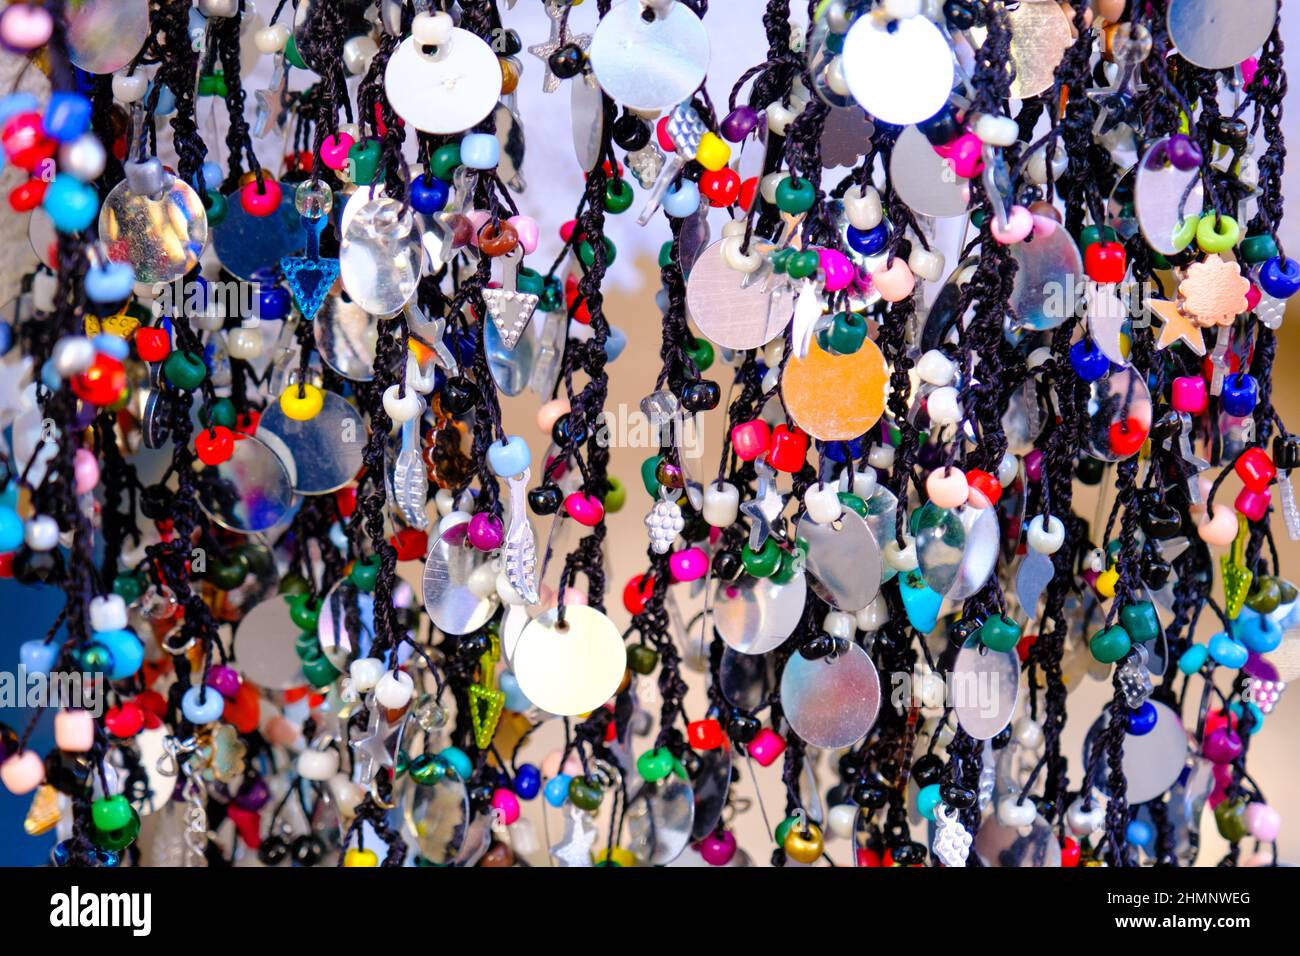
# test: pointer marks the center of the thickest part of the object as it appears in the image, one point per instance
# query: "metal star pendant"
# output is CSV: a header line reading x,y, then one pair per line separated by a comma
x,y
273,102
574,848
1177,327
378,746
558,38
765,508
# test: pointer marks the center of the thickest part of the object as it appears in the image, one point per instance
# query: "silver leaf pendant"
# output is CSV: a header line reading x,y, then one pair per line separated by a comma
x,y
520,549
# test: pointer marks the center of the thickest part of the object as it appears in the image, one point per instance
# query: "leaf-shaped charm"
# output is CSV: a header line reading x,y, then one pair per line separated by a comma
x,y
520,548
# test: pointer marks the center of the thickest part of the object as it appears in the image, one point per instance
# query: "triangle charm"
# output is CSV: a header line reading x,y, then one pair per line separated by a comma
x,y
510,311
310,281
484,713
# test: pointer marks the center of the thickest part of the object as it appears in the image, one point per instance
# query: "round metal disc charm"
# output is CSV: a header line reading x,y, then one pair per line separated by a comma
x,y
957,548
732,315
843,560
831,702
756,615
1153,761
660,819
985,686
1219,34
1164,196
901,76
105,35
1119,415
1001,846
1040,34
161,238
711,783
1047,267
587,114
820,55
923,179
324,452
836,397
572,668
245,243
447,92
649,65
346,625
346,336
251,490
264,646
435,817
379,257
454,608
746,680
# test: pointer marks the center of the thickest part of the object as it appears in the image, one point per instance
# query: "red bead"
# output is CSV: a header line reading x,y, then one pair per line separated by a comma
x,y
262,199
1127,436
637,592
750,439
246,422
248,824
154,706
7,565
27,196
124,720
566,230
720,187
1069,852
346,499
25,143
705,734
985,484
411,544
868,856
748,190
214,445
101,384
1105,262
1255,469
789,449
661,133
152,344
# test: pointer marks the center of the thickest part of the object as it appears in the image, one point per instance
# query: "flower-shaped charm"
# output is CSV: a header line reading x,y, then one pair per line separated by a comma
x,y
1214,292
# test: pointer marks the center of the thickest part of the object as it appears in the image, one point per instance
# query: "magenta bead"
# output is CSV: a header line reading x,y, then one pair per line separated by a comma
x,y
718,848
965,158
584,509
1253,504
1249,67
507,804
1253,295
253,795
224,680
1222,747
750,439
260,202
837,269
1189,394
85,471
689,564
1034,465
1263,821
334,150
766,746
485,531
1222,775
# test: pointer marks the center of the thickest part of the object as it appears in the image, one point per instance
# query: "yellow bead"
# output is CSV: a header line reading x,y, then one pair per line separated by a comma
x,y
1106,582
1217,236
355,857
302,403
616,856
713,152
804,844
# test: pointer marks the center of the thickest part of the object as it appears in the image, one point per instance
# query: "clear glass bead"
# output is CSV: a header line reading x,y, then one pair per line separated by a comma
x,y
313,199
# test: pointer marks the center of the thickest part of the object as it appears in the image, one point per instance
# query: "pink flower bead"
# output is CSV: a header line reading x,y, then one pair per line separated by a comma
x,y
584,509
893,280
689,564
85,471
1253,504
1263,821
718,848
766,746
260,201
74,731
334,150
836,268
507,804
1189,394
485,531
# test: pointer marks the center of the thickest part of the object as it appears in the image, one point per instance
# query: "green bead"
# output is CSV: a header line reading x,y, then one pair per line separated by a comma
x,y
530,281
292,54
320,672
363,161
847,333
795,197
587,252
1215,233
293,584
654,765
307,646
585,794
1140,621
977,218
785,571
304,612
128,587
221,412
618,196
95,658
803,264
365,572
229,573
212,84
642,659
761,563
999,633
649,471
701,352
1092,234
853,502
552,299
1258,248
185,369
427,769
217,206
117,838
1230,818
111,813
666,254
616,497
783,828
781,260
1090,470
444,161
1185,233
1110,645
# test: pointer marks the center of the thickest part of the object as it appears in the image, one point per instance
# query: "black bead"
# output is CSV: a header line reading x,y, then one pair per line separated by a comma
x,y
1002,738
37,567
927,770
727,564
560,431
957,796
1155,571
815,648
157,502
459,395
1165,427
67,772
701,396
1231,131
473,646
743,728
506,43
941,128
1089,470
308,850
870,795
1286,452
960,15
273,851
908,853
631,132
545,499
1160,519
480,798
566,62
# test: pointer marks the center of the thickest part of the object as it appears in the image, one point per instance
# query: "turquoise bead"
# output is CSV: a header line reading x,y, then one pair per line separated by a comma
x,y
37,657
1226,651
682,200
15,103
920,601
1259,634
109,282
459,761
1193,659
112,346
515,698
72,204
127,651
480,151
557,790
1256,715
204,710
11,530
510,457
927,798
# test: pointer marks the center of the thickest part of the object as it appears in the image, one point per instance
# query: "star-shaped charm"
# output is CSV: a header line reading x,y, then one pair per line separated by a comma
x,y
378,746
765,508
273,102
559,37
574,848
1177,327
433,333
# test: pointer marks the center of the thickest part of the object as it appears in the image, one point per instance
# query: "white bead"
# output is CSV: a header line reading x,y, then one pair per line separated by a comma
x,y
823,503
944,406
721,504
902,9
1046,537
319,765
402,408
837,17
366,673
901,559
1082,822
835,77
1095,560
431,29
773,352
129,89
1008,468
347,795
218,9
864,482
445,501
996,130
839,624
507,593
862,207
73,354
1038,357
394,690
1028,733
926,264
483,581
946,487
1012,813
41,533
84,157
1036,168
935,368
357,54
874,616
734,227
770,379
45,285
244,343
107,613
779,118
933,694
881,457
735,258
841,820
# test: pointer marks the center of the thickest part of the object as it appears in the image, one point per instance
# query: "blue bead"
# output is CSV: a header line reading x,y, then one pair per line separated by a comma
x,y
212,176
868,242
510,457
50,376
557,790
1141,721
515,699
6,337
1260,635
1088,361
61,853
1240,394
67,116
528,782
1280,277
1256,717
72,204
1226,651
920,601
37,657
15,103
429,194
1139,833
202,705
272,302
927,798
338,537
127,651
112,346
682,200
109,282
166,100
480,151
11,528
1193,659
615,343
458,761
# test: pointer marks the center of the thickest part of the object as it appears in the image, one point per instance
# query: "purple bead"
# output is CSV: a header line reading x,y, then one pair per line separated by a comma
x,y
739,123
1222,746
1183,153
1034,465
253,795
485,531
224,680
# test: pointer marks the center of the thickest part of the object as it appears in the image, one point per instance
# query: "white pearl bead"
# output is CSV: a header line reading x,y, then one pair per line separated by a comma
x,y
366,673
862,207
839,624
41,533
431,29
506,591
483,581
445,501
218,9
935,368
770,379
874,616
357,54
837,17
1082,822
835,77
1046,537
319,765
779,118
129,89
901,559
823,503
773,352
73,354
944,406
1012,813
1008,468
735,258
721,504
394,690
841,820
902,9
926,264
881,457
347,795
864,482
996,130
244,343
107,613
1028,733
1038,357
83,158
1036,168
402,408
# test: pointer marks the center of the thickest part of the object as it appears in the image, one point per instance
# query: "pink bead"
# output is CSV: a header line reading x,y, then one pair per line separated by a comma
x,y
750,439
1020,223
1217,796
334,150
1253,504
1253,295
1034,465
74,731
1263,821
485,531
717,848
766,746
526,227
507,804
689,564
1249,67
584,509
965,158
837,270
25,26
1222,747
282,732
85,471
947,488
1045,226
893,280
1189,394
22,772
477,219
550,413
1220,528
1215,720
260,202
